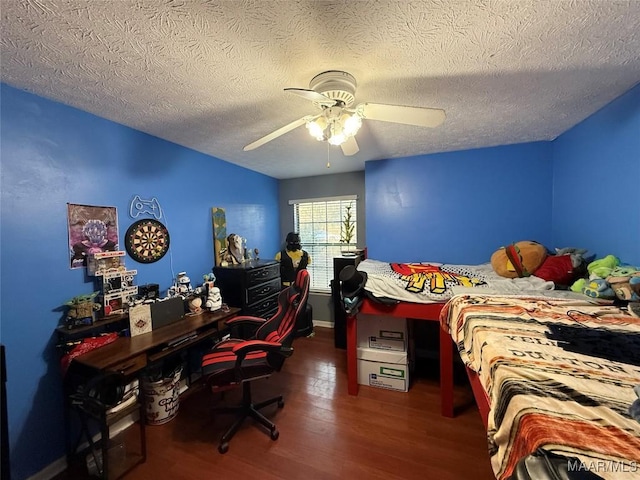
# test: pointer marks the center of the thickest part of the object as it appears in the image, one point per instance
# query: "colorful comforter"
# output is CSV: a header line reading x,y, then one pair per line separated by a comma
x,y
559,374
430,282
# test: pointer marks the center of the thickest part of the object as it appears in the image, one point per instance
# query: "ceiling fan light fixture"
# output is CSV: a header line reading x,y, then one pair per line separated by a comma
x,y
335,130
337,138
317,128
351,124
333,92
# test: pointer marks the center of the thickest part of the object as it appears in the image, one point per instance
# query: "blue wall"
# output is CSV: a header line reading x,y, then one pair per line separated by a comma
x,y
580,190
596,188
455,207
458,207
52,154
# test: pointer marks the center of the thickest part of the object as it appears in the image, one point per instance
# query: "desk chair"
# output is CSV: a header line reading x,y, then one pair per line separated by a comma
x,y
240,361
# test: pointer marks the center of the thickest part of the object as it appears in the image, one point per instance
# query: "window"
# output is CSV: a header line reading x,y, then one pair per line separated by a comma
x,y
320,222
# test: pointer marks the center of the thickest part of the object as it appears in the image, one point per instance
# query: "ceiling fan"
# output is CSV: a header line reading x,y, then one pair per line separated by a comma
x,y
333,92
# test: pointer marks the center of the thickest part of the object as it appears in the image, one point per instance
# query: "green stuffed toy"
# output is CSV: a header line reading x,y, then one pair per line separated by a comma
x,y
597,286
603,267
609,280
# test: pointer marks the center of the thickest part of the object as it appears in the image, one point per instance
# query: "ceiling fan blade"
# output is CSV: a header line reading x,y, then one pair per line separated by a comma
x,y
422,117
350,146
281,131
312,95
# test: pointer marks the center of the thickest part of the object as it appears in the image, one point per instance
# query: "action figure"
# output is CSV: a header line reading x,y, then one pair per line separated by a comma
x,y
234,255
292,259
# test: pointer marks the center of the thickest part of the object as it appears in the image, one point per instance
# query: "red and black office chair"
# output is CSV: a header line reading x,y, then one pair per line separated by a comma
x,y
240,361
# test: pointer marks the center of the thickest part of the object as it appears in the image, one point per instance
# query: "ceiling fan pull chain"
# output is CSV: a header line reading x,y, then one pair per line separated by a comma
x,y
328,163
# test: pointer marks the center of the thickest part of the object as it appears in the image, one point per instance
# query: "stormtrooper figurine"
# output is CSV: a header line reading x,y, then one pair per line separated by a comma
x,y
214,299
181,286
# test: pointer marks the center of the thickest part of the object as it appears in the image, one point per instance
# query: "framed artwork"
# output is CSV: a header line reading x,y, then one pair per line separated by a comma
x,y
147,240
91,229
219,222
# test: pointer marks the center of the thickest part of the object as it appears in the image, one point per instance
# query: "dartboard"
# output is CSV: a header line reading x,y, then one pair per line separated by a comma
x,y
147,241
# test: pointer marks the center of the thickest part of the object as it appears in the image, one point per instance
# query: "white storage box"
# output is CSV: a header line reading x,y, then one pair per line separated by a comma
x,y
383,369
382,332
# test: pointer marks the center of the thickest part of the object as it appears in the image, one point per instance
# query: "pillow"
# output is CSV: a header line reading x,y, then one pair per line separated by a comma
x,y
519,259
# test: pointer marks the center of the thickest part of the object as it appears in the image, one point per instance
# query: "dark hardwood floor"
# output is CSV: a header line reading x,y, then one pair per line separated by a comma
x,y
324,432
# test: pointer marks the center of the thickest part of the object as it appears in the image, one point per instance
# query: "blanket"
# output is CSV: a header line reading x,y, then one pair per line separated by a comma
x,y
559,373
431,282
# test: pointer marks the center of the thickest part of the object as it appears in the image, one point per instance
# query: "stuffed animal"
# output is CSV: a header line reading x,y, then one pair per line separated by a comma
x,y
609,280
577,255
558,269
531,258
519,259
603,267
579,285
599,288
625,282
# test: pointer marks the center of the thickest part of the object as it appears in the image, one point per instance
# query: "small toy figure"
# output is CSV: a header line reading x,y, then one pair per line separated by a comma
x,y
184,283
195,304
181,286
82,310
292,259
234,254
214,298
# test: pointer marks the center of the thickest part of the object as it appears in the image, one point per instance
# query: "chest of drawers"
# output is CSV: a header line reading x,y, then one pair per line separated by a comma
x,y
253,286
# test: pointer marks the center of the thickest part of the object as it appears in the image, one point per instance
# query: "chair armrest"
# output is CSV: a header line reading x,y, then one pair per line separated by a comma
x,y
243,348
244,326
244,320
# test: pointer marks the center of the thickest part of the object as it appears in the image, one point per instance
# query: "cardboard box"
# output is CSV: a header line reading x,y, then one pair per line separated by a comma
x,y
382,332
383,369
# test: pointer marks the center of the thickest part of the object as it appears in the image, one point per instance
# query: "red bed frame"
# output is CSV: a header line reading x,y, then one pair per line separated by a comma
x,y
421,311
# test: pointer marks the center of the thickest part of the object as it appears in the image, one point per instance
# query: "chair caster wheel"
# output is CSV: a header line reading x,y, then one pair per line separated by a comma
x,y
280,403
275,434
224,447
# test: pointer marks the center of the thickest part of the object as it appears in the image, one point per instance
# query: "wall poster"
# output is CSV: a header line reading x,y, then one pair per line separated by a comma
x,y
219,221
91,230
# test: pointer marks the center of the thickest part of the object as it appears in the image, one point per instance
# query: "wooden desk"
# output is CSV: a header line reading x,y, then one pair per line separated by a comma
x,y
130,355
420,311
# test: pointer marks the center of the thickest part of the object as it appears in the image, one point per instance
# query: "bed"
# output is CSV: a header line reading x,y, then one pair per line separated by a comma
x,y
419,291
551,370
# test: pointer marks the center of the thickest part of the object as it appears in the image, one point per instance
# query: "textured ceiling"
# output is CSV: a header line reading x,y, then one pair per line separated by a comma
x,y
210,75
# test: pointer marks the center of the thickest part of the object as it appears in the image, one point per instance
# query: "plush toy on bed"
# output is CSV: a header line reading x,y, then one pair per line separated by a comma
x,y
519,259
596,285
625,282
609,280
525,258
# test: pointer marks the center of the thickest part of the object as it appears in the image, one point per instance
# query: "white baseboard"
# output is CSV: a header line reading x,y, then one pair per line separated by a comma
x,y
322,323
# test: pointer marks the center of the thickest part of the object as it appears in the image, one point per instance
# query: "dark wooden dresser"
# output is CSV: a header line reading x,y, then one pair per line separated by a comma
x,y
253,286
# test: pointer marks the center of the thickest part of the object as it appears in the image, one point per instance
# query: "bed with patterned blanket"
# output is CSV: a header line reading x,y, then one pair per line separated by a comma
x,y
432,282
557,373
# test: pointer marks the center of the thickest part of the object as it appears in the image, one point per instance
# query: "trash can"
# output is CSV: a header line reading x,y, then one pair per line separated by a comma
x,y
162,397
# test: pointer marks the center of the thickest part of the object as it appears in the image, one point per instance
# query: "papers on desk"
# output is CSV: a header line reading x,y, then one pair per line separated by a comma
x,y
140,319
